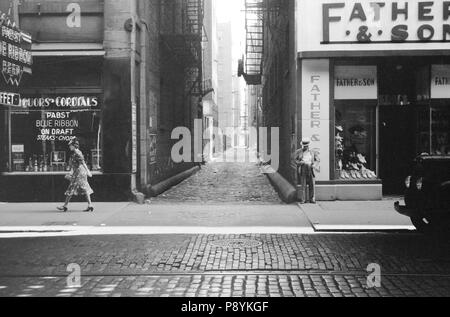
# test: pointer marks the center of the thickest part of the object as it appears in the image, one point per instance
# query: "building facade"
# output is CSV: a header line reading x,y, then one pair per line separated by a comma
x,y
111,74
374,90
226,94
210,78
366,82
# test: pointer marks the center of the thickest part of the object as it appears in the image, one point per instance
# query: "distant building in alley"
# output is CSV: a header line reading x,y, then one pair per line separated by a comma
x,y
226,94
210,77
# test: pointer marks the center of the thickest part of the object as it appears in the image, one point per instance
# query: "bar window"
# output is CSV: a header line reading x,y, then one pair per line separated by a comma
x,y
40,130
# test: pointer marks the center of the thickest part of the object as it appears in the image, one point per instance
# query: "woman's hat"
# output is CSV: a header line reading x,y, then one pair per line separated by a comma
x,y
74,142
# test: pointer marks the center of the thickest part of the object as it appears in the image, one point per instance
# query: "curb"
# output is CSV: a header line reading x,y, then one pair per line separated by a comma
x,y
287,192
162,187
356,228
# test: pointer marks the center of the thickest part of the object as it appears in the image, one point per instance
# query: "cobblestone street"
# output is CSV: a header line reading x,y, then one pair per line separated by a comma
x,y
228,265
216,149
224,265
223,285
224,182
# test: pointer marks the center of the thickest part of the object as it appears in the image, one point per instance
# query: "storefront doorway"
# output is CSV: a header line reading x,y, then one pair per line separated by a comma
x,y
397,145
411,120
403,119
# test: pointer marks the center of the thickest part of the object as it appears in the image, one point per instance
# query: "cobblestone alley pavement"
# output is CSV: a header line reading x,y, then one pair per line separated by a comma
x,y
224,183
230,265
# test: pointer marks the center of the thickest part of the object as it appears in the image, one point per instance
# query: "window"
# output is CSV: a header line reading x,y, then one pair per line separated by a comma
x,y
440,130
355,94
40,130
355,140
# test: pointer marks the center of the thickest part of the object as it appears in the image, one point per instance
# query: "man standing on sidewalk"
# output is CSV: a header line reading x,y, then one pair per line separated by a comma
x,y
306,161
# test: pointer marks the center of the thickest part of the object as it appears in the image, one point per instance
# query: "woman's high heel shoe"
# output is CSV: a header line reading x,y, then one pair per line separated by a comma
x,y
90,209
63,209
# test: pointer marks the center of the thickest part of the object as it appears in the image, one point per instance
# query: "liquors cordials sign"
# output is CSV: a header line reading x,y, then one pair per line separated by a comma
x,y
59,116
378,24
15,53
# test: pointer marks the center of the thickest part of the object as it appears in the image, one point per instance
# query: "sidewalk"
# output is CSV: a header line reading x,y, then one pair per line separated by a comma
x,y
356,216
196,218
153,218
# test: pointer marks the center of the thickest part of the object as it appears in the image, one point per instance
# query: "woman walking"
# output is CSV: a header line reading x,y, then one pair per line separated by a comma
x,y
79,185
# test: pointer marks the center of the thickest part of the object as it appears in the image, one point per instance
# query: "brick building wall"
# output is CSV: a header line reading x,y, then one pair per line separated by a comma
x,y
279,107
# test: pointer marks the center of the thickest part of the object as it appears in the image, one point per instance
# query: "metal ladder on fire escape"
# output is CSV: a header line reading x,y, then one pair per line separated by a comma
x,y
194,31
254,50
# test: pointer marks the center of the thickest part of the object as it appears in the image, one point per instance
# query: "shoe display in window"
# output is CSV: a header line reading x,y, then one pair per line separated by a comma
x,y
362,159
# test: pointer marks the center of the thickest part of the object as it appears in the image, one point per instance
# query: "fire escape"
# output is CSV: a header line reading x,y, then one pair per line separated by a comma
x,y
261,16
251,66
183,35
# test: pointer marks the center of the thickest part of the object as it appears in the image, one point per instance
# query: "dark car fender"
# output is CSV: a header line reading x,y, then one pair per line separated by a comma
x,y
445,185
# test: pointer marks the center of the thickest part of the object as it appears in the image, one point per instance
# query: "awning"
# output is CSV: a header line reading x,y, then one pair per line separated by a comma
x,y
68,49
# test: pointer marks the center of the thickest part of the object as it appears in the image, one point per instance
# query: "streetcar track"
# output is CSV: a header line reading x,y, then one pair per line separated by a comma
x,y
231,273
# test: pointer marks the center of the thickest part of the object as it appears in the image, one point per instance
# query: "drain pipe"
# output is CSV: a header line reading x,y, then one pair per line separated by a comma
x,y
138,197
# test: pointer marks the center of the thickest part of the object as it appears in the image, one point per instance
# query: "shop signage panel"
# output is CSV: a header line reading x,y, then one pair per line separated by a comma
x,y
355,83
152,148
440,81
372,25
9,99
61,103
59,117
65,21
15,53
316,111
18,148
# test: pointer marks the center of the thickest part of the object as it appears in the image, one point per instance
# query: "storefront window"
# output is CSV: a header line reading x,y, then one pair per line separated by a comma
x,y
440,109
40,130
355,140
440,130
422,117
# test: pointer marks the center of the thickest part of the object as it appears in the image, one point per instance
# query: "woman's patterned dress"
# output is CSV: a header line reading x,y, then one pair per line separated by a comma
x,y
79,184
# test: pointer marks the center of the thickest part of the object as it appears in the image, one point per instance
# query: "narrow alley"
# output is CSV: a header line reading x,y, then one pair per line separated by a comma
x,y
224,183
239,149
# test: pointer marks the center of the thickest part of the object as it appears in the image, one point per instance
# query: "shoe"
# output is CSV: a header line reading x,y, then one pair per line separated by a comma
x,y
63,209
90,209
362,159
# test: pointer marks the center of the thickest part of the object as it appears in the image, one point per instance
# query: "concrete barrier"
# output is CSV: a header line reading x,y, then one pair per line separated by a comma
x,y
162,187
287,192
